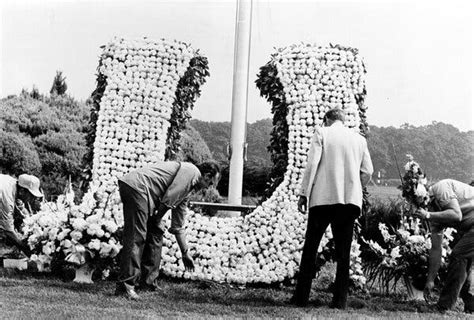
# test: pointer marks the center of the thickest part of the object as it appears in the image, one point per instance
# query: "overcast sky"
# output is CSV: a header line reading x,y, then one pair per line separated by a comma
x,y
418,54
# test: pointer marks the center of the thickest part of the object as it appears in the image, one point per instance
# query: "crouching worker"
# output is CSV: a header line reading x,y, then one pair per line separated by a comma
x,y
18,198
147,194
451,204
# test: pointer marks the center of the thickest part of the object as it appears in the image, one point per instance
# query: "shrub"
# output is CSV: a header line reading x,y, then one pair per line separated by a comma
x,y
18,154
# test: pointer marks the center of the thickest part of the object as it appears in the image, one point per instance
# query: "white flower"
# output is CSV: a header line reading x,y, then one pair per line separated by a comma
x,y
421,191
416,239
94,244
79,224
395,253
384,230
76,235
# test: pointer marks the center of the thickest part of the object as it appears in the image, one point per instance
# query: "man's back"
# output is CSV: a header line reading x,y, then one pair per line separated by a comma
x,y
447,189
344,155
7,201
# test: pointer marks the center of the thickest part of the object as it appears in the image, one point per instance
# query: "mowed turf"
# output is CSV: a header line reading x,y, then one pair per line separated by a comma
x,y
26,296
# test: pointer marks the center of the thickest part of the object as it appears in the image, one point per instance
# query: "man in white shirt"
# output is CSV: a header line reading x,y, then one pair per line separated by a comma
x,y
451,205
338,168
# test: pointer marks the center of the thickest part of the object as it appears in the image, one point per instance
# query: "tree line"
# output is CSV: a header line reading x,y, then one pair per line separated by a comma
x,y
45,135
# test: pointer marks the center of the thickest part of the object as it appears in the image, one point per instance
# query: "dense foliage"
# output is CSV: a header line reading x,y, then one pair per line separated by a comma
x,y
272,89
442,150
43,137
187,92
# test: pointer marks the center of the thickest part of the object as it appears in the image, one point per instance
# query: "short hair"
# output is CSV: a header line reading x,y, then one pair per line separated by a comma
x,y
335,114
209,167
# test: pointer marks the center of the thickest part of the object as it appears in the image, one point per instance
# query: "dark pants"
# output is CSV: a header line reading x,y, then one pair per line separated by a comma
x,y
142,241
459,281
10,238
341,217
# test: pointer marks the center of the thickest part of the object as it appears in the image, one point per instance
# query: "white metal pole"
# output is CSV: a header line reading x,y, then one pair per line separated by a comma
x,y
239,99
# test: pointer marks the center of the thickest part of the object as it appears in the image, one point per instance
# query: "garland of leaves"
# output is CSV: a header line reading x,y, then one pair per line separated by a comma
x,y
271,88
96,96
187,92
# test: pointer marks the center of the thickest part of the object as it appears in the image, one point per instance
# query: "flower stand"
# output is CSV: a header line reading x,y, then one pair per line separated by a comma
x,y
413,293
84,274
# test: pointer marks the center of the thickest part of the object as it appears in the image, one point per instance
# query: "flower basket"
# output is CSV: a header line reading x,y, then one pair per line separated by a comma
x,y
84,274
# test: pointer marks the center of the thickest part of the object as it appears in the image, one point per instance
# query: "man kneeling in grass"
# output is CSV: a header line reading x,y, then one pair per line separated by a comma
x,y
147,194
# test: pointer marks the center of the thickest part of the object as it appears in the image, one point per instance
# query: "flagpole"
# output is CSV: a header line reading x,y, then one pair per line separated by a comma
x,y
243,27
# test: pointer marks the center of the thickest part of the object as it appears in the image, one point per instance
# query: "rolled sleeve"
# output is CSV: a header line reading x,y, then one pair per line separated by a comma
x,y
366,166
314,156
178,218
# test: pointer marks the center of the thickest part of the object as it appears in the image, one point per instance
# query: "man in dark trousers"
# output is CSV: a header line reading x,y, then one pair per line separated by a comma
x,y
451,204
147,194
338,167
18,198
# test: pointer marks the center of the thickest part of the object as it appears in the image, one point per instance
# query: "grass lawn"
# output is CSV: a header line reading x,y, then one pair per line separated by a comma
x,y
39,296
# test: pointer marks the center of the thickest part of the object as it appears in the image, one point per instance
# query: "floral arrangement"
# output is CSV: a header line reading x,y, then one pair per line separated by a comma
x,y
265,246
141,85
134,117
62,231
414,184
303,82
403,254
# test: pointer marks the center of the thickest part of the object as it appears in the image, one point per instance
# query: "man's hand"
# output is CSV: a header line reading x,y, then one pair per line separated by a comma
x,y
302,204
421,213
188,261
428,292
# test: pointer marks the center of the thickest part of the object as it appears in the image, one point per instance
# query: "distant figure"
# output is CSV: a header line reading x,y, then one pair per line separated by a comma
x,y
21,198
451,204
147,194
338,168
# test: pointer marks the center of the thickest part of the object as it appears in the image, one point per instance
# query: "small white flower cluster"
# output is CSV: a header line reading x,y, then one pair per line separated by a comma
x,y
136,106
76,230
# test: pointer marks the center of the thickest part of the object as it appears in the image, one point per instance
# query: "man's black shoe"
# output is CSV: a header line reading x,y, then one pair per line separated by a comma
x,y
148,287
295,302
126,292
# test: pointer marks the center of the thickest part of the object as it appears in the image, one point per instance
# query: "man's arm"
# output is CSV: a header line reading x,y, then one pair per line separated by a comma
x,y
177,228
366,167
449,216
467,206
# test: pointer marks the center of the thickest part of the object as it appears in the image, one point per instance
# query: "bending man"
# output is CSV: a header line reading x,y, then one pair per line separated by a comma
x,y
147,194
451,205
20,197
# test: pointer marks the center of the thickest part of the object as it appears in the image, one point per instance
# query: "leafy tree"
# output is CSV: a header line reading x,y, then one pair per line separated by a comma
x,y
18,154
43,138
59,86
193,148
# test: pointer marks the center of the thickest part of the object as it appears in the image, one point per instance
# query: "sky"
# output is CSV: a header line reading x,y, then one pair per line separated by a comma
x,y
418,54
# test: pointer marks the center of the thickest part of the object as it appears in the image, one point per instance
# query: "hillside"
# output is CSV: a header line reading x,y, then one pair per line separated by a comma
x,y
217,137
441,149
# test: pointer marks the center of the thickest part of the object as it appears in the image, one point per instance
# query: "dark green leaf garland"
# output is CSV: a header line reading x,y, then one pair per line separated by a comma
x,y
272,89
187,91
96,97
